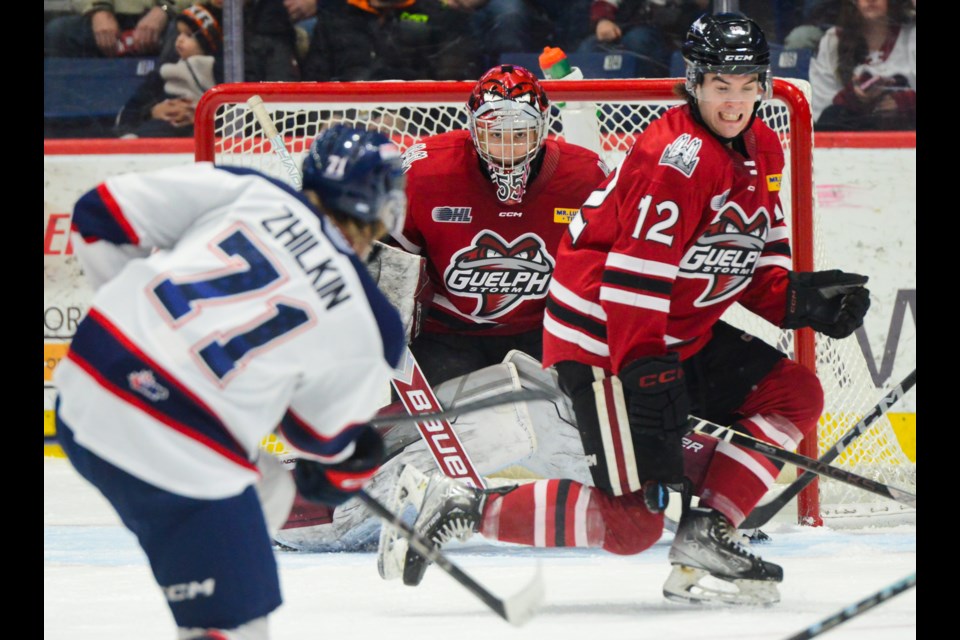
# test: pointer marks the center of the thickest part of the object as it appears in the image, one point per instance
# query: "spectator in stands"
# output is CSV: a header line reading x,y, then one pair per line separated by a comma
x,y
647,29
389,40
164,104
864,77
509,26
303,14
270,43
109,28
815,18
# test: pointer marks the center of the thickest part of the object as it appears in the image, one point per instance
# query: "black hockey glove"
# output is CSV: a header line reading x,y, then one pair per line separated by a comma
x,y
829,302
334,484
658,407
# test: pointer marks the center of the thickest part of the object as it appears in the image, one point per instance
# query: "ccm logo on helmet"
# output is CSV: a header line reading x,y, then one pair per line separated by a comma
x,y
663,377
738,57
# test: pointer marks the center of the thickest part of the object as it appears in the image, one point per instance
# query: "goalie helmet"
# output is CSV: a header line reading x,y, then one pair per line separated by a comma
x,y
726,43
359,174
508,113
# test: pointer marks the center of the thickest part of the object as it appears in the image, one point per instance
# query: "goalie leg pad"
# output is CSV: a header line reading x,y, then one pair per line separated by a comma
x,y
406,501
559,450
495,439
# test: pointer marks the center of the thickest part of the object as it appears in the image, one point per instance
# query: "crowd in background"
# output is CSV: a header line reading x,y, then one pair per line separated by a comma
x,y
863,70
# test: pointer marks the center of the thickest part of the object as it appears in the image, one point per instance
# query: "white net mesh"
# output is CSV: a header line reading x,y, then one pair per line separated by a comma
x,y
228,133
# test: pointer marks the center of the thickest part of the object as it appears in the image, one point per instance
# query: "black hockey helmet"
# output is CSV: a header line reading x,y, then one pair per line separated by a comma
x,y
357,173
726,43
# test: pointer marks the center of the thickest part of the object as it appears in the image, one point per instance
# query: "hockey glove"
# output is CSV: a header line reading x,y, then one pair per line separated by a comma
x,y
658,407
334,484
830,302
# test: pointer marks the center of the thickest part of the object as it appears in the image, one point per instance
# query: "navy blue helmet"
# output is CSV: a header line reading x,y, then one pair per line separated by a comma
x,y
359,174
726,43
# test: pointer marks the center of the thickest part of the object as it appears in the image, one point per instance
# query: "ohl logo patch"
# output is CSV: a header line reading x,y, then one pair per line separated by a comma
x,y
501,275
727,253
452,214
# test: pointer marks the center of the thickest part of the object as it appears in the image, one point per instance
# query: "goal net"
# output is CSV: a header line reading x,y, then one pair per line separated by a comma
x,y
227,133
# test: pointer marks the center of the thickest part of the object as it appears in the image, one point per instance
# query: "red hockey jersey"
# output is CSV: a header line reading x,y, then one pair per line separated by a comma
x,y
490,263
683,229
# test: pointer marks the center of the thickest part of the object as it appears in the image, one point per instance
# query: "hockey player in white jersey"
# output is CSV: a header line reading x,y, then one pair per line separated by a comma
x,y
229,306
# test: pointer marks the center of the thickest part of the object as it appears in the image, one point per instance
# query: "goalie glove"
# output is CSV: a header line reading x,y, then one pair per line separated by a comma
x,y
658,407
829,302
334,484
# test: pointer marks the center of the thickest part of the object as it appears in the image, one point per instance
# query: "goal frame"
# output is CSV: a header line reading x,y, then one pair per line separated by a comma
x,y
801,206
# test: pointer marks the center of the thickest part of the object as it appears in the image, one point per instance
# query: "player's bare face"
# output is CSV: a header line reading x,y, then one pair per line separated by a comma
x,y
726,102
507,147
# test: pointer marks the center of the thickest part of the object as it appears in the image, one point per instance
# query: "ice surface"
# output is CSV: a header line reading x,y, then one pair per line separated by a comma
x,y
97,586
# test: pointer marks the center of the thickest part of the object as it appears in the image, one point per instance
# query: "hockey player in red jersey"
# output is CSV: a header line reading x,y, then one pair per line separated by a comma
x,y
487,208
689,224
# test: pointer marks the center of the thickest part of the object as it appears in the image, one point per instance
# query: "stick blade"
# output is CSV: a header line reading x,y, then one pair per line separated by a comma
x,y
522,606
904,497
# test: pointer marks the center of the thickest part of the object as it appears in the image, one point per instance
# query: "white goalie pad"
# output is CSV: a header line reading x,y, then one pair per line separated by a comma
x,y
559,452
494,438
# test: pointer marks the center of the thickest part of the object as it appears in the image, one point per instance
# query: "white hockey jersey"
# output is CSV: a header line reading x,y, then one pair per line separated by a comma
x,y
226,307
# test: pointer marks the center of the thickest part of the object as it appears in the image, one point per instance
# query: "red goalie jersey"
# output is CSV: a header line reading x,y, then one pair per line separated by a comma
x,y
490,263
646,250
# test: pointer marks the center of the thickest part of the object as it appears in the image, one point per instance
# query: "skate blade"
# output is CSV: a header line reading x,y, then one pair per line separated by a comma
x,y
392,546
698,586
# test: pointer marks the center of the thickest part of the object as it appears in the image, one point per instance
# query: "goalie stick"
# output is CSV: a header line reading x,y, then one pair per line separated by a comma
x,y
276,140
762,513
408,381
803,462
857,608
516,610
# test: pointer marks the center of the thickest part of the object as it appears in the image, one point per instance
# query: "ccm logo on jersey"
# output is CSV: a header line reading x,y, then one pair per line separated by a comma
x,y
773,181
452,214
190,590
682,154
564,216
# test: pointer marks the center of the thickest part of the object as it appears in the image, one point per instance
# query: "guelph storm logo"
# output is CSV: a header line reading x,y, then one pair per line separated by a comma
x,y
499,274
727,253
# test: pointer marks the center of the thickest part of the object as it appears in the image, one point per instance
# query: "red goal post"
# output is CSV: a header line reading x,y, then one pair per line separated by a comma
x,y
226,132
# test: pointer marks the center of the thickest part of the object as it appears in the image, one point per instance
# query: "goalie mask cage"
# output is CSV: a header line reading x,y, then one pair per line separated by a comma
x,y
227,133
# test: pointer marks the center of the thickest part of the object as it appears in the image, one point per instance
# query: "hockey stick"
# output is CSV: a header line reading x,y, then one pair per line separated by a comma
x,y
803,462
516,610
419,400
408,380
857,608
276,140
762,513
523,395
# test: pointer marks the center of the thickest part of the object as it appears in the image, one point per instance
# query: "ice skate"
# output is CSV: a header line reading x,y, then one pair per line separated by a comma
x,y
711,565
451,510
408,494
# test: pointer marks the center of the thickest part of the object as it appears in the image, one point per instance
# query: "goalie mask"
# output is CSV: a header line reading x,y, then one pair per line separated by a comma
x,y
358,174
508,113
726,44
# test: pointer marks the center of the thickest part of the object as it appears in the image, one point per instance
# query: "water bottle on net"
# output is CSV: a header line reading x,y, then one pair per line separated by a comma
x,y
579,120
